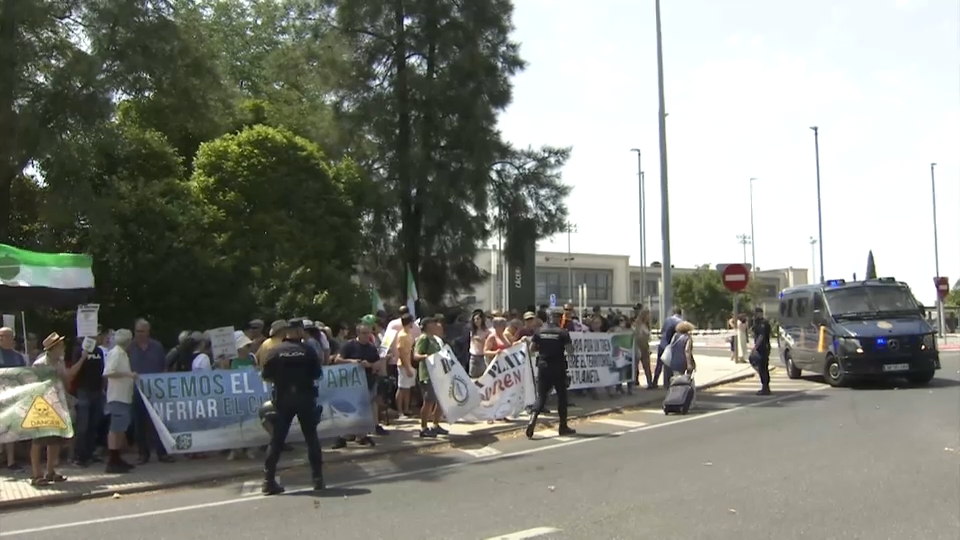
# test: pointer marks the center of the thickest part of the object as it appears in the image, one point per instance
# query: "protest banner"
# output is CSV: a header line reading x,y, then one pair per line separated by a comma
x,y
506,387
601,359
204,411
457,395
33,405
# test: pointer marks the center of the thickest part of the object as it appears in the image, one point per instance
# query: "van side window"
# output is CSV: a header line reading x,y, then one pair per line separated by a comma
x,y
783,308
801,307
817,301
790,308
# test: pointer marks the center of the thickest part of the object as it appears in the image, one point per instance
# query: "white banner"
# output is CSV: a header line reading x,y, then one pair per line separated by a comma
x,y
507,387
601,359
457,395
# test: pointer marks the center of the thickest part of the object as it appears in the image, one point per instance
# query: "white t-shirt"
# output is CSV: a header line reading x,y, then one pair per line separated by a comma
x,y
202,363
118,388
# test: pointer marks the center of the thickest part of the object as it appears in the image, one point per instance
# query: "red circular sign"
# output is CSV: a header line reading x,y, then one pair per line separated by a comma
x,y
735,277
943,286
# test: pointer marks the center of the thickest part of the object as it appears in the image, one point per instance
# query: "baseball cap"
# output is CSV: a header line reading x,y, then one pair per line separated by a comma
x,y
529,315
277,327
368,320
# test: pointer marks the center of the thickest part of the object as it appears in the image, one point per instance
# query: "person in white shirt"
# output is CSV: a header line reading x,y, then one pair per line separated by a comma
x,y
121,384
201,359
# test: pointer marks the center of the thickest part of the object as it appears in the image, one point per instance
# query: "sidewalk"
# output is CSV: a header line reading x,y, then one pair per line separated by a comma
x,y
16,491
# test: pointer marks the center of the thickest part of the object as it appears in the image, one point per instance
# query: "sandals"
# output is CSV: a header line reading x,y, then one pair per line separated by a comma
x,y
39,482
54,477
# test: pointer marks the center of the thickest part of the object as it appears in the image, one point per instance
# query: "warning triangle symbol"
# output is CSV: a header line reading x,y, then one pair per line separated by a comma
x,y
42,416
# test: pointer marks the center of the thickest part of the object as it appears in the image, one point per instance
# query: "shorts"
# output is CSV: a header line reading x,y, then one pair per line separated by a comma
x,y
406,382
119,416
426,391
478,364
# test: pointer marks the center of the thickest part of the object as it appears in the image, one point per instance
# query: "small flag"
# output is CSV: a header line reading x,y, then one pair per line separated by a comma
x,y
376,303
412,296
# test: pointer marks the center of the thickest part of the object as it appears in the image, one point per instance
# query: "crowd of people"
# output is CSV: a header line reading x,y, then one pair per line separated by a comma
x,y
108,413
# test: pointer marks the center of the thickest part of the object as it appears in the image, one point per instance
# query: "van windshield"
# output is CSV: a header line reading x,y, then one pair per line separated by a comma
x,y
872,300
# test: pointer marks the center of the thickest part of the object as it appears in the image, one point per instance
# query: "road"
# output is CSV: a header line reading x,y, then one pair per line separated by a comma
x,y
873,463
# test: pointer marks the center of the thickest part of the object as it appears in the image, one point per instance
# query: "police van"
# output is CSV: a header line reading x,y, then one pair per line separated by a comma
x,y
857,330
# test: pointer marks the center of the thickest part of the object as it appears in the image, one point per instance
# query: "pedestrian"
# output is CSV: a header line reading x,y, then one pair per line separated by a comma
x,y
666,337
121,381
52,357
429,343
642,341
760,356
293,368
553,344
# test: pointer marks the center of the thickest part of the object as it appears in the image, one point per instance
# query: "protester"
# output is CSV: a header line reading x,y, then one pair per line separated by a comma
x,y
427,344
52,356
363,352
245,357
85,374
406,374
147,357
9,358
642,340
478,339
121,381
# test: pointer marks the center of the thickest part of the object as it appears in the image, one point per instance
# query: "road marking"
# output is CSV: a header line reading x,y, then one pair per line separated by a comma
x,y
723,394
648,411
408,473
529,533
552,435
619,423
484,452
378,467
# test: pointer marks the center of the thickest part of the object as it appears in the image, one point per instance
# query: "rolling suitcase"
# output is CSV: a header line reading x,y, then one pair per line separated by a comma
x,y
680,395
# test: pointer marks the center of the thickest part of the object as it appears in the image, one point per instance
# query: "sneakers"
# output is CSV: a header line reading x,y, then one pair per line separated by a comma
x,y
271,487
530,429
764,392
439,430
366,441
428,434
566,430
379,430
319,484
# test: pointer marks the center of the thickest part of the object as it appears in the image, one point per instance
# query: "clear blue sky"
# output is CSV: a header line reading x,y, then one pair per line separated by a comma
x,y
745,79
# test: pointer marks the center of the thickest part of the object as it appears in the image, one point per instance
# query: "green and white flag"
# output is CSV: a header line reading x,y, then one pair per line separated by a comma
x,y
412,296
30,279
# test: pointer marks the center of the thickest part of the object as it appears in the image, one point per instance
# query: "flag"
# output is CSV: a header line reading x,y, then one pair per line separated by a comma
x,y
31,279
412,296
376,303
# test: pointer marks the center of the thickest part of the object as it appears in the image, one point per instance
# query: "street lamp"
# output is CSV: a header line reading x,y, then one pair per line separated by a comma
x,y
667,279
744,239
936,248
816,149
571,228
643,226
813,261
753,236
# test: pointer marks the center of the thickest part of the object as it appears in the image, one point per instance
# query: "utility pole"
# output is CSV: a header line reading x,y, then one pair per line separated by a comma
x,y
744,239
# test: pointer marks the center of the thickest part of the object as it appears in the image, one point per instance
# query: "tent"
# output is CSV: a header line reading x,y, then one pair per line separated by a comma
x,y
29,279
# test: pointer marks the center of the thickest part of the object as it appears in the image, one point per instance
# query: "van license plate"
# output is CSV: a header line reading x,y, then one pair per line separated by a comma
x,y
896,367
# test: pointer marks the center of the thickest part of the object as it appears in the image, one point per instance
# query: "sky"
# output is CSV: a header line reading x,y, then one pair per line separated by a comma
x,y
744,81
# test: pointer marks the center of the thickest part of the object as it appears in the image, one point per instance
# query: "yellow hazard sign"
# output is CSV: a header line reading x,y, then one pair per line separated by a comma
x,y
42,416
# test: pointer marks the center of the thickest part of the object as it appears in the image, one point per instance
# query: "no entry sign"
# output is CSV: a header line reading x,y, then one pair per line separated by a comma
x,y
943,286
735,277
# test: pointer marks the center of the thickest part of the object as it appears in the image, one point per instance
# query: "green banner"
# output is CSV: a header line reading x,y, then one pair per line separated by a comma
x,y
33,405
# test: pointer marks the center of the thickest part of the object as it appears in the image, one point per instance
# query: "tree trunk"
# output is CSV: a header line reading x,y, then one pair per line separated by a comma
x,y
9,154
410,219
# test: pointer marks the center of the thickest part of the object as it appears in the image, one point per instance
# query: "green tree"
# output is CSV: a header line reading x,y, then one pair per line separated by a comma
x,y
282,221
953,299
704,299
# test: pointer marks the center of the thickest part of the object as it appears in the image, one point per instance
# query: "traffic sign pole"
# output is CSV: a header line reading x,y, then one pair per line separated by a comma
x,y
943,289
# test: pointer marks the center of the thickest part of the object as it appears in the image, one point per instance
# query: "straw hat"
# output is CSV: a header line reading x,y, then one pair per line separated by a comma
x,y
52,341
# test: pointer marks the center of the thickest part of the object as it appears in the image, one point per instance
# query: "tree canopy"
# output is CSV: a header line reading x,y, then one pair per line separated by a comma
x,y
223,160
704,299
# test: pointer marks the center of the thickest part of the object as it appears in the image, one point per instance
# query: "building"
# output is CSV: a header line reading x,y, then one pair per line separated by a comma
x,y
609,281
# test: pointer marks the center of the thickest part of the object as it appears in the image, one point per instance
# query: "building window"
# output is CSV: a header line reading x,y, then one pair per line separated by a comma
x,y
598,284
552,282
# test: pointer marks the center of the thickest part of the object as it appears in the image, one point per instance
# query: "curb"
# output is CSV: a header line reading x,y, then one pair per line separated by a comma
x,y
65,498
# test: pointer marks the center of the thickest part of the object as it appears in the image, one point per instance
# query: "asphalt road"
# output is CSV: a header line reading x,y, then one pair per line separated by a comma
x,y
874,463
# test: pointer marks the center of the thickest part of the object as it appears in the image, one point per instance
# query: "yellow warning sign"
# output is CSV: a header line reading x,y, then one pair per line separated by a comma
x,y
42,416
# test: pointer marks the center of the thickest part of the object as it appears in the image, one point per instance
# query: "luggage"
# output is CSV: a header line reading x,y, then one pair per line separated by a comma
x,y
680,395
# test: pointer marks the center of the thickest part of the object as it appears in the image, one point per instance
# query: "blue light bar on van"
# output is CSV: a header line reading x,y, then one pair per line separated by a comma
x,y
881,342
835,282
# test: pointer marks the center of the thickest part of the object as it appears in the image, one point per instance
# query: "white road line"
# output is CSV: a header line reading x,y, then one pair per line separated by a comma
x,y
483,452
619,423
405,473
552,435
529,533
250,488
378,467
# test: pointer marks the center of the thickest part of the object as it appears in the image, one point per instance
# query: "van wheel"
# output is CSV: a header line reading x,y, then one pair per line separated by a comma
x,y
920,379
833,374
793,372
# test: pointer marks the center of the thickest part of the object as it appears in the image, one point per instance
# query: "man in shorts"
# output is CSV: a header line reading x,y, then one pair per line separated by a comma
x,y
121,381
427,344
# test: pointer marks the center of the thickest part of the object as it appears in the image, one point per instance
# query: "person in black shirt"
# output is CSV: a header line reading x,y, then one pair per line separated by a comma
x,y
86,376
364,352
760,357
292,368
554,344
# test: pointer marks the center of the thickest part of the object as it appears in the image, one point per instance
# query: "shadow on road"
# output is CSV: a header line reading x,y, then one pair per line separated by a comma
x,y
333,493
902,384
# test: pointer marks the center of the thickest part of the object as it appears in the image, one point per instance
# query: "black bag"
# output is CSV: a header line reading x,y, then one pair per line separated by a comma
x,y
680,395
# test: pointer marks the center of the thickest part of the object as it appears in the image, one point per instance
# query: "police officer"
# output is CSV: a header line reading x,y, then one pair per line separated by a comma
x,y
292,367
553,344
760,358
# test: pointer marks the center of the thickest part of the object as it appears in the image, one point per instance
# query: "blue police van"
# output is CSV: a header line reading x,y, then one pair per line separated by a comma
x,y
857,330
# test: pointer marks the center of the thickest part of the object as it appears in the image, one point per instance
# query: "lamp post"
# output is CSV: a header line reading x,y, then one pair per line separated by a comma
x,y
571,228
936,246
813,261
816,150
753,236
643,227
666,302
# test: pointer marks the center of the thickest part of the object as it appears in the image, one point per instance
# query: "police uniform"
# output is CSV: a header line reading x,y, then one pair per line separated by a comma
x,y
551,343
292,368
761,352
